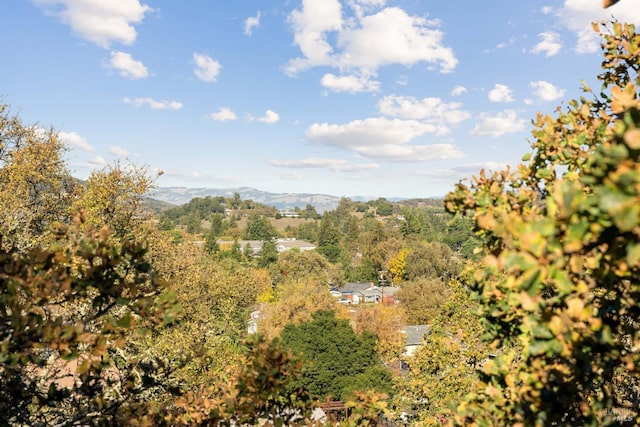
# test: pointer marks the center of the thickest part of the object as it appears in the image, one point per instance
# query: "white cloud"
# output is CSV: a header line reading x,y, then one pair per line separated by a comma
x,y
547,10
224,114
114,150
351,83
310,25
391,36
100,22
501,93
74,140
360,7
428,110
250,23
338,165
458,90
577,16
153,104
207,68
366,42
381,138
546,91
498,125
549,45
269,117
97,161
502,45
127,66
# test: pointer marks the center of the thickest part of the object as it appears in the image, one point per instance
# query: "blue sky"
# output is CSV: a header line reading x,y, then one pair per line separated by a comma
x,y
374,98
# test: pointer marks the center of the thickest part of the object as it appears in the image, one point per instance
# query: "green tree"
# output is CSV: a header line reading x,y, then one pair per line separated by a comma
x,y
259,228
310,212
268,254
411,226
335,358
329,238
328,235
308,231
561,246
384,207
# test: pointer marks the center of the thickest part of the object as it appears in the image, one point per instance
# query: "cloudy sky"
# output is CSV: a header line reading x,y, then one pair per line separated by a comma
x,y
377,98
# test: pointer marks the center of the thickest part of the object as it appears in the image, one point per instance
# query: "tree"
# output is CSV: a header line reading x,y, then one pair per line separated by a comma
x,y
301,282
113,196
444,369
329,238
310,212
422,299
560,285
306,266
411,226
259,393
308,231
334,357
36,188
65,312
397,266
383,321
431,260
268,254
383,207
217,296
259,228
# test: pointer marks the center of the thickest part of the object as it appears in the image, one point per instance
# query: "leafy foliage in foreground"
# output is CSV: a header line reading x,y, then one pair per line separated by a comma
x,y
561,246
64,315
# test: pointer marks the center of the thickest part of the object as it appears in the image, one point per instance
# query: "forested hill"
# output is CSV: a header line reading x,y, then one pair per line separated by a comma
x,y
321,202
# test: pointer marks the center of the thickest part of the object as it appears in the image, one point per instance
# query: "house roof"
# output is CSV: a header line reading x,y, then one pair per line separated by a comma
x,y
286,244
370,292
416,333
356,286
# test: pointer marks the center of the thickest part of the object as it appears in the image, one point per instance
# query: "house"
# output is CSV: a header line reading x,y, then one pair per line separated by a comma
x,y
367,292
414,338
371,295
283,245
289,213
351,291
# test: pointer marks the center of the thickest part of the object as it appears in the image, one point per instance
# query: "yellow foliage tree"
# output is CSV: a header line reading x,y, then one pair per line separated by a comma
x,y
560,282
36,188
397,266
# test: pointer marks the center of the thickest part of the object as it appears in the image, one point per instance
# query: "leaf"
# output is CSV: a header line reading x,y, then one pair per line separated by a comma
x,y
633,254
632,138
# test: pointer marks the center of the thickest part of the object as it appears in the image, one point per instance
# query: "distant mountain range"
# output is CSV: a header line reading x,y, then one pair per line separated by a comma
x,y
182,195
